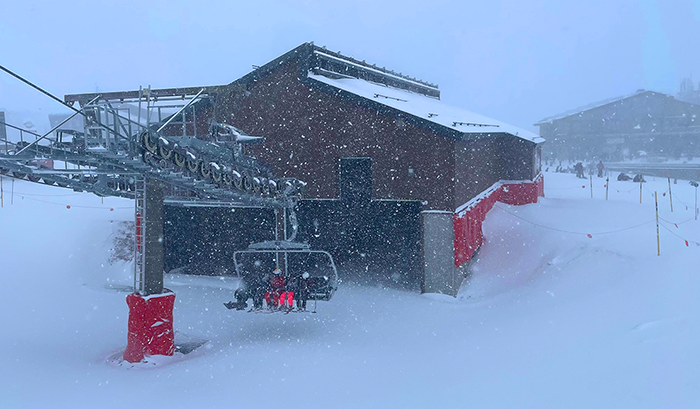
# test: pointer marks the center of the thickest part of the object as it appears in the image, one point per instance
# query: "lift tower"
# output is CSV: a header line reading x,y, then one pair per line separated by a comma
x,y
148,145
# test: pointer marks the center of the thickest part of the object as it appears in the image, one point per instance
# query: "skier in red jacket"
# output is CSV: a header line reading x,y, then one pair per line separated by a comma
x,y
277,284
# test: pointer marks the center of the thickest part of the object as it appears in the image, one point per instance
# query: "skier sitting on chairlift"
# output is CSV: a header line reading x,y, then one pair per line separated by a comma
x,y
276,292
251,287
302,286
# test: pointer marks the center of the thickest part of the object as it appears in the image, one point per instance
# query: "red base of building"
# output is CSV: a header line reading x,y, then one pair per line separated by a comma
x,y
150,326
467,224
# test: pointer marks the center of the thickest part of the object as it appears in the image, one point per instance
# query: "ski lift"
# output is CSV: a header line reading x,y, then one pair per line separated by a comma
x,y
294,259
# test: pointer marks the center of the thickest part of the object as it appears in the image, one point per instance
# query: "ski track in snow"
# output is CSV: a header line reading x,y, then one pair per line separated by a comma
x,y
546,319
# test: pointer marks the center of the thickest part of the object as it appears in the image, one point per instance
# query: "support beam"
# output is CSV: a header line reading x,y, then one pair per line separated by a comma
x,y
281,235
153,238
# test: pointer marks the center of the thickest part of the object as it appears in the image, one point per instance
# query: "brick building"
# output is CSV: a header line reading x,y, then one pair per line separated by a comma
x,y
316,107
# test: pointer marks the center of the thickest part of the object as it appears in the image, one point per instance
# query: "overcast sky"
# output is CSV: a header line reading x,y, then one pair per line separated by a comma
x,y
514,60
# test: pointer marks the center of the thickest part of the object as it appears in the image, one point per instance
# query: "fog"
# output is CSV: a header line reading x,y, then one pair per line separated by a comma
x,y
512,60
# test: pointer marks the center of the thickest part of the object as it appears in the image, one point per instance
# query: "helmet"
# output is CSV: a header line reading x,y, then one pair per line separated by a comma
x,y
305,275
277,271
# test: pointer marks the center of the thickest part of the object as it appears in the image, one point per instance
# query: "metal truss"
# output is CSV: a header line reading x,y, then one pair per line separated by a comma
x,y
117,148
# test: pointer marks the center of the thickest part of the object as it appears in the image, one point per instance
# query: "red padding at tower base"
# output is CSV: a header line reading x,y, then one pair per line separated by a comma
x,y
150,326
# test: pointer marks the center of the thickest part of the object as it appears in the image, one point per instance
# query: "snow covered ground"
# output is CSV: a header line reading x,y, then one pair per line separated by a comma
x,y
549,318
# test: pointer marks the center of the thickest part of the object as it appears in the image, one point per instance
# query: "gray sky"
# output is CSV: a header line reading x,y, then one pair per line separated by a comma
x,y
515,60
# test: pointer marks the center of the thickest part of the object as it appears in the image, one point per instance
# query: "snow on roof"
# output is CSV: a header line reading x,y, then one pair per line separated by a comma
x,y
589,107
427,108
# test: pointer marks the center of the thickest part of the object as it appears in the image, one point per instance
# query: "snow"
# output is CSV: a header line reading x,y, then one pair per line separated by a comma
x,y
426,107
548,318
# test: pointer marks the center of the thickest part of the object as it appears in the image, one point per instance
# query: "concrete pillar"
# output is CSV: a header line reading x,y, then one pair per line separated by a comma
x,y
439,272
154,257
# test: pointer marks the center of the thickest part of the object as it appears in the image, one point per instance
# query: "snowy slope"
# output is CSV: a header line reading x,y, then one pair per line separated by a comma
x,y
548,319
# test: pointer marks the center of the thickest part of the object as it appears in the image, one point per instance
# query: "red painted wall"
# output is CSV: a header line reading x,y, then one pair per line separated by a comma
x,y
467,224
523,193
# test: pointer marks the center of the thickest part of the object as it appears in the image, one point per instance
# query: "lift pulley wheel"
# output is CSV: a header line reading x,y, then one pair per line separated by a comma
x,y
192,165
164,152
204,171
179,160
147,144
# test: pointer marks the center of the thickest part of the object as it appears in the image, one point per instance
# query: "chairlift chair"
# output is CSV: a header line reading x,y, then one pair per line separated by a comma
x,y
299,258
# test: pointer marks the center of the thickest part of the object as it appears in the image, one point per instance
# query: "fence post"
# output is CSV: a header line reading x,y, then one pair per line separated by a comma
x,y
607,186
670,194
695,185
658,241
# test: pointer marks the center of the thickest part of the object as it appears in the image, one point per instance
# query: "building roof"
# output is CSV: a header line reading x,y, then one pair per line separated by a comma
x,y
323,68
396,92
426,108
598,104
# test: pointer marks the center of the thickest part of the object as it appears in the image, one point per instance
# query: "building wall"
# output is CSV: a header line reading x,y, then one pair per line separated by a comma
x,y
373,241
519,158
308,130
203,239
477,166
481,163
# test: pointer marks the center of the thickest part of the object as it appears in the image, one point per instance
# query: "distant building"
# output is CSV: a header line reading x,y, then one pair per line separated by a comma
x,y
75,123
645,123
688,92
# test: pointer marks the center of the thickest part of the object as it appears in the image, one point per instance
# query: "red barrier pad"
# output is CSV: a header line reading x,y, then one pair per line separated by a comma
x,y
150,326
